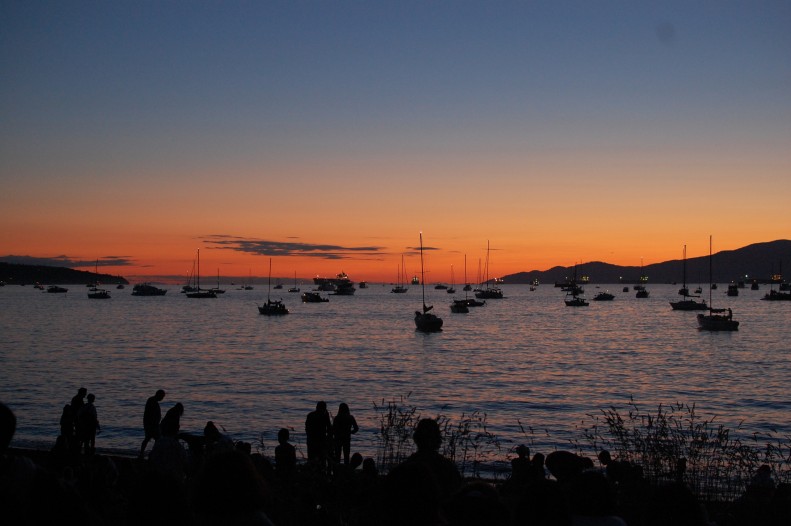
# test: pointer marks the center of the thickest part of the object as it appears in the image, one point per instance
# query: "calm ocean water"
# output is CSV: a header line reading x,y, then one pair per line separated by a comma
x,y
526,358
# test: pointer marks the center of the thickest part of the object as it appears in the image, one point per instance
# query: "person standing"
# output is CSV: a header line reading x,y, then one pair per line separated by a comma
x,y
318,434
151,419
88,426
171,423
77,402
343,427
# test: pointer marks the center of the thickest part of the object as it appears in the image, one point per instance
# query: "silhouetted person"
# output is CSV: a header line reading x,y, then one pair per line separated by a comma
x,y
214,440
428,439
77,401
318,434
285,455
151,418
88,426
158,498
230,490
410,495
17,474
67,425
477,503
563,465
536,471
520,466
171,423
343,427
591,500
675,504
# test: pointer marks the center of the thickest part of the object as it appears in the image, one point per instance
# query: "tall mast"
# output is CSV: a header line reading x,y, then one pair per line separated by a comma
x,y
269,280
710,272
684,272
422,275
197,278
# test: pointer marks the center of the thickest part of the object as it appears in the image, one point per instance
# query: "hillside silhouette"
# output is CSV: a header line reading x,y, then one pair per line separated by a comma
x,y
757,261
15,274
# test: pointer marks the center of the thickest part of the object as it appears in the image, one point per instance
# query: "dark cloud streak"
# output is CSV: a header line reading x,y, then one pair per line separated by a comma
x,y
261,247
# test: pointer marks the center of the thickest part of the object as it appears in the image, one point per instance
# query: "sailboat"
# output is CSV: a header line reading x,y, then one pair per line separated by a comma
x,y
777,295
642,292
196,291
426,321
687,303
294,288
489,292
272,307
574,292
452,288
249,285
716,319
400,287
461,306
96,293
217,289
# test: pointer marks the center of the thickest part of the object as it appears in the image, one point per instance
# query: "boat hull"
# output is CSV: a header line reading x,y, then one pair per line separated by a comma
x,y
427,322
689,305
716,322
272,308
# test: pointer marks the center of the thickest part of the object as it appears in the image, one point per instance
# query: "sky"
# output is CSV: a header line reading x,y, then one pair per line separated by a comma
x,y
327,135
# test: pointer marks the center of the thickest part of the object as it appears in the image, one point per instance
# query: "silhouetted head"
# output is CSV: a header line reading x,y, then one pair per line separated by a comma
x,y
210,431
91,397
356,461
82,391
523,451
369,466
179,408
321,406
7,426
427,435
282,435
343,409
604,457
160,395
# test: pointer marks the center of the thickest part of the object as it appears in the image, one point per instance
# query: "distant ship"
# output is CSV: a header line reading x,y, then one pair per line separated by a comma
x,y
341,284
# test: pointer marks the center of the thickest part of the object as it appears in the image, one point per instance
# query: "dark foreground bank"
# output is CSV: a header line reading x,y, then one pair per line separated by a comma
x,y
233,486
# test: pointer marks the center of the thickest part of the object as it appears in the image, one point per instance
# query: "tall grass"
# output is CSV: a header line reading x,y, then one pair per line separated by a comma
x,y
467,441
676,443
672,443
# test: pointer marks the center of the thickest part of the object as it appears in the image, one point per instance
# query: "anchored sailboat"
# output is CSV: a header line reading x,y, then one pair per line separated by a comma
x,y
716,319
96,293
271,307
426,321
687,303
489,292
196,291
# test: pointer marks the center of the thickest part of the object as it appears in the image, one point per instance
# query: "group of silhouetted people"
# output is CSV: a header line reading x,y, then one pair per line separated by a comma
x,y
225,482
79,423
327,438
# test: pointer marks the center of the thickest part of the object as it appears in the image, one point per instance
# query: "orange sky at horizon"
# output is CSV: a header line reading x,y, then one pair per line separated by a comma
x,y
535,216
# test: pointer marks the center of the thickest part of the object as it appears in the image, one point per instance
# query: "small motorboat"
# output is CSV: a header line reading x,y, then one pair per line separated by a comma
x,y
603,296
313,297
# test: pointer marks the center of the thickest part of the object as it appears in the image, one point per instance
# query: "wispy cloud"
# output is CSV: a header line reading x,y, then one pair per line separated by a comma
x,y
262,247
68,261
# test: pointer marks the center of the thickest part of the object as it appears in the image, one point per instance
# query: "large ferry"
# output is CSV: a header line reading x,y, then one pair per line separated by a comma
x,y
340,284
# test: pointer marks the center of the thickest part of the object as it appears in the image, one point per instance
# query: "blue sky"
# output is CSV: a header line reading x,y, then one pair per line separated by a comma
x,y
530,96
